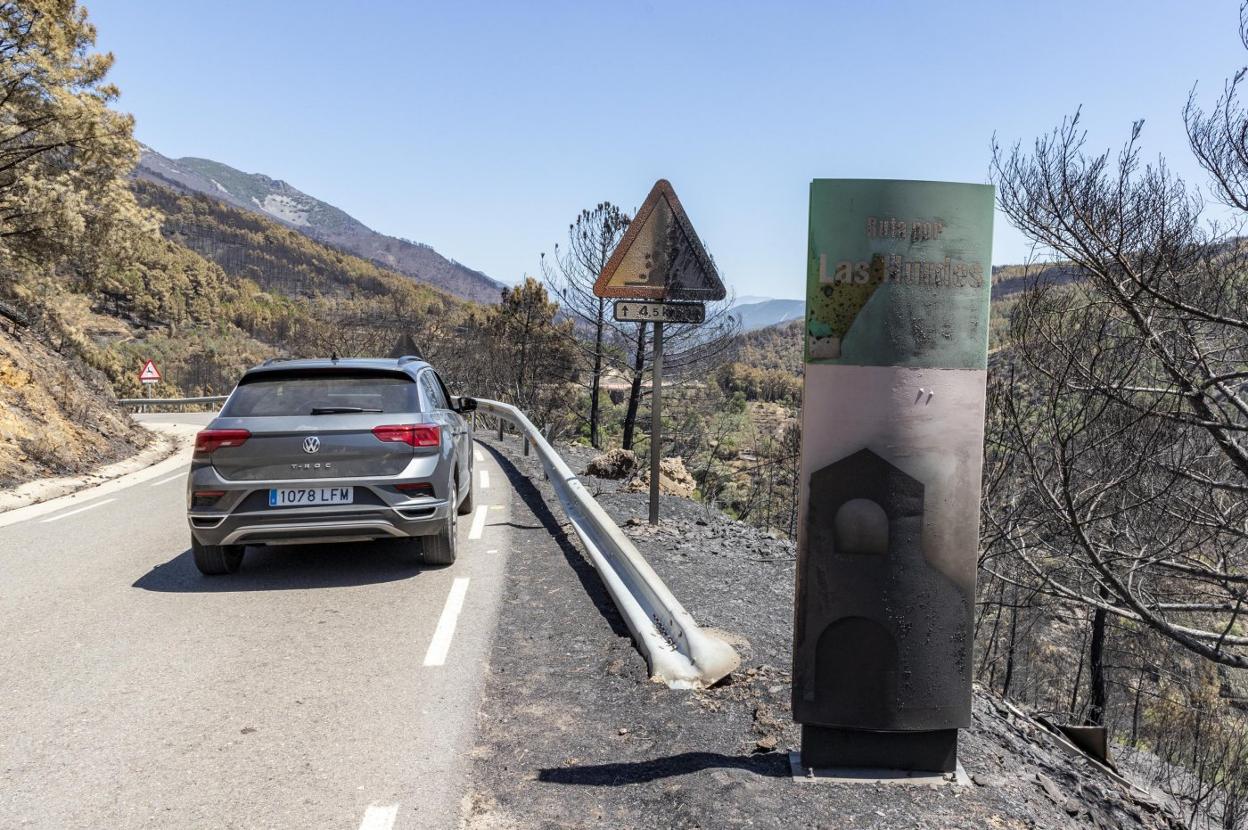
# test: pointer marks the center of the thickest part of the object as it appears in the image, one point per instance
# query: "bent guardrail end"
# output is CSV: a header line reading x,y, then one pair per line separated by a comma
x,y
712,660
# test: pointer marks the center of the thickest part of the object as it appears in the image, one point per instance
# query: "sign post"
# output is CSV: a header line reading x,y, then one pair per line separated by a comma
x,y
898,284
660,259
149,376
656,422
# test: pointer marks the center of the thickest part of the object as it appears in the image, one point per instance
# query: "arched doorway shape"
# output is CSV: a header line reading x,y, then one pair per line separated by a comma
x,y
856,680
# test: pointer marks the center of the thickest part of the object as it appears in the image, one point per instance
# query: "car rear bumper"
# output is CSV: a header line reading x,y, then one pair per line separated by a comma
x,y
242,516
314,525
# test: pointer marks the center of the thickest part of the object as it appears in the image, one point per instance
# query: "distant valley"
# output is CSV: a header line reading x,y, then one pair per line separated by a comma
x,y
760,312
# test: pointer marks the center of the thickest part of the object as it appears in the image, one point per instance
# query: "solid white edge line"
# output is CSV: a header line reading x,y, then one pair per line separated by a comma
x,y
485,479
379,817
478,522
66,515
167,480
441,642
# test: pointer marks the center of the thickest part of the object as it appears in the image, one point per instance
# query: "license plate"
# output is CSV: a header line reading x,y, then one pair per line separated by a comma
x,y
305,496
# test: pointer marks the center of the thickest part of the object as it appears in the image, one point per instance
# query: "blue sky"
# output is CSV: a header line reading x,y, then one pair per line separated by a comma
x,y
483,128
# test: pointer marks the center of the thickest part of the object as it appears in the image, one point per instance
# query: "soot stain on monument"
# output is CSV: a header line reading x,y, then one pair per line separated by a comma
x,y
888,632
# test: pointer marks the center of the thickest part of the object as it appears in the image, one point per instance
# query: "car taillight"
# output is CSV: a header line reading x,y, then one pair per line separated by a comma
x,y
415,435
415,488
209,440
205,498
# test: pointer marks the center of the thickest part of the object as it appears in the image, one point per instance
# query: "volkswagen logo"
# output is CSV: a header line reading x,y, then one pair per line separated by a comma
x,y
311,444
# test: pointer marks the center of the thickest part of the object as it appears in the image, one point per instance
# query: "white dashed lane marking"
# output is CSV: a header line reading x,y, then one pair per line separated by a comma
x,y
485,479
177,477
476,455
66,515
379,817
478,522
441,643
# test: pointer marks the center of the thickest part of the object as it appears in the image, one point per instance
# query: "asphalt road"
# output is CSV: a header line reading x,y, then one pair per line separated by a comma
x,y
325,686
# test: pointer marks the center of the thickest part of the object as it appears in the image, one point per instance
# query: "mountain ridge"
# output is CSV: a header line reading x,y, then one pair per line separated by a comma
x,y
760,312
316,219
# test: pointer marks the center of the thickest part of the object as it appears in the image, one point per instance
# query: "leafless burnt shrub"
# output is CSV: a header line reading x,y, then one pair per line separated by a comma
x,y
1119,472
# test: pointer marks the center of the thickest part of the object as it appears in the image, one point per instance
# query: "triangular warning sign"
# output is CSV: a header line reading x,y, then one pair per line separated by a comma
x,y
149,373
406,345
660,257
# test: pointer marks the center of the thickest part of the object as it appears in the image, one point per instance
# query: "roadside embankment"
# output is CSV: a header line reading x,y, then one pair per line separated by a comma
x,y
61,431
164,441
58,417
571,733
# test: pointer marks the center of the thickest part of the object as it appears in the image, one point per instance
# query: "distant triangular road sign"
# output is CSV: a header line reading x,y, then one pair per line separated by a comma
x,y
660,257
149,373
406,345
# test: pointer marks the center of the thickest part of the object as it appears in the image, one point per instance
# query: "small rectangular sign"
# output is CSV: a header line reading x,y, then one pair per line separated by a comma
x,y
631,311
311,495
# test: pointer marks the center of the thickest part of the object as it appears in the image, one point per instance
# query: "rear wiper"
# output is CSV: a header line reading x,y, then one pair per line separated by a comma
x,y
338,410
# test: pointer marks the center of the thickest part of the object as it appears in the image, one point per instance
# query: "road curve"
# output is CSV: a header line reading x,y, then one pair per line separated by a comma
x,y
321,686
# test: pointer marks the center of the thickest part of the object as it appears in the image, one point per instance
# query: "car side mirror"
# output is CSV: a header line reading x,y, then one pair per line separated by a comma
x,y
466,404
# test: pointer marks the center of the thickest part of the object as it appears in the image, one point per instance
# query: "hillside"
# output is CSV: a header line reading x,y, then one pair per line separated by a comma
x,y
57,415
251,246
1008,280
774,347
278,200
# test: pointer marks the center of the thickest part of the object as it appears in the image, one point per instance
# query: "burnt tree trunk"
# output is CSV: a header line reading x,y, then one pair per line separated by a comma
x,y
1096,669
596,388
634,392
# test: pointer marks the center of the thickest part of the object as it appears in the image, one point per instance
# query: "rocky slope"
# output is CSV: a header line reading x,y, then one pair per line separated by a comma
x,y
319,220
57,416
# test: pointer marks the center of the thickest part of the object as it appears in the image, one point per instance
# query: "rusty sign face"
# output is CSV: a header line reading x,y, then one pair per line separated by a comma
x,y
660,257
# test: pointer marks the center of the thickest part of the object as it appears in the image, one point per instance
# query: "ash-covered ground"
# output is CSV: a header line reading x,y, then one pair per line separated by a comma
x,y
572,733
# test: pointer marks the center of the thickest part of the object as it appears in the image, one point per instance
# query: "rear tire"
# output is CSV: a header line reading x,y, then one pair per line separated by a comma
x,y
465,506
441,547
215,560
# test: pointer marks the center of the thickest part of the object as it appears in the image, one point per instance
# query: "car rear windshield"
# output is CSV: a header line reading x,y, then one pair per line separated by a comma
x,y
321,394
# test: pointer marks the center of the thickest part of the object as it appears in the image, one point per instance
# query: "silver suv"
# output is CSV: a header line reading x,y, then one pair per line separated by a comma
x,y
331,451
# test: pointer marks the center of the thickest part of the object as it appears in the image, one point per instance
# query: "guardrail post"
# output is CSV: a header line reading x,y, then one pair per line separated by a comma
x,y
500,427
474,421
526,445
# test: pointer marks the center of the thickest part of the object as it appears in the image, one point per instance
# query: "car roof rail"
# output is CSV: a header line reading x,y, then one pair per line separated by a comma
x,y
273,360
408,358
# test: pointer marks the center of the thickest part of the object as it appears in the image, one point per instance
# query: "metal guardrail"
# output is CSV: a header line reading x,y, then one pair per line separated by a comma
x,y
145,402
679,653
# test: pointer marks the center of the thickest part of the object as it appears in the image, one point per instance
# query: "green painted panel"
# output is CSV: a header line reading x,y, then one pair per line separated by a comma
x,y
899,273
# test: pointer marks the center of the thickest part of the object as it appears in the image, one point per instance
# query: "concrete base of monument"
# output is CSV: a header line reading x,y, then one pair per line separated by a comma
x,y
867,775
858,754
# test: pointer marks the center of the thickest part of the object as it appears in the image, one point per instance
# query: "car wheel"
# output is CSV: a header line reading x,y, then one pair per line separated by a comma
x,y
465,506
214,560
440,548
